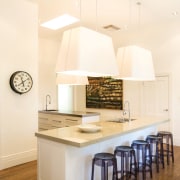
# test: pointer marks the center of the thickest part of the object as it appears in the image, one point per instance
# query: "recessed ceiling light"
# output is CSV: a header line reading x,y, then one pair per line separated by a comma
x,y
111,27
174,13
60,22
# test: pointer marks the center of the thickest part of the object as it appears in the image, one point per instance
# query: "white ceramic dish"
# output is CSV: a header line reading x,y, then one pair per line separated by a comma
x,y
89,128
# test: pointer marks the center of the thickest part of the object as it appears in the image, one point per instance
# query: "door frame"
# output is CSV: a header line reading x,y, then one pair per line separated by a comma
x,y
169,97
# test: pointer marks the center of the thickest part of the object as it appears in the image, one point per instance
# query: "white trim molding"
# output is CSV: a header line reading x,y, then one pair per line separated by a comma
x,y
18,158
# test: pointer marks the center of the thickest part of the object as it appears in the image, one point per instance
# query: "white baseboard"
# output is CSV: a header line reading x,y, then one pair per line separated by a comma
x,y
18,158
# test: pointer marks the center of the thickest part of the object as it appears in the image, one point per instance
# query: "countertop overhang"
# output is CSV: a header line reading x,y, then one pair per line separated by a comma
x,y
74,137
70,113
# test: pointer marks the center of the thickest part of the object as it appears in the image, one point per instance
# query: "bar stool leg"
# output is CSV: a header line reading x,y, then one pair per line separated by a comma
x,y
122,166
162,153
167,147
150,160
144,165
102,172
157,157
105,171
133,163
115,174
172,149
127,165
92,173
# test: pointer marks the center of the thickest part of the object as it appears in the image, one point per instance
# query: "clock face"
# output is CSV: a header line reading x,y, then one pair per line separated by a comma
x,y
21,82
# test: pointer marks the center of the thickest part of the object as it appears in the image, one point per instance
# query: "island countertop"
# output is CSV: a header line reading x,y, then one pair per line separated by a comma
x,y
70,113
74,137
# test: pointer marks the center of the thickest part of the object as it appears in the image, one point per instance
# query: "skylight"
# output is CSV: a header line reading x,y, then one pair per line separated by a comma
x,y
60,22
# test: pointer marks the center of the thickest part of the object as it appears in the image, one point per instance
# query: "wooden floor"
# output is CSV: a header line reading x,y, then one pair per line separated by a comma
x,y
28,171
170,172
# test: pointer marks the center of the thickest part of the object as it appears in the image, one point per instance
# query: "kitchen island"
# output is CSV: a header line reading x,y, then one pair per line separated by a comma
x,y
66,153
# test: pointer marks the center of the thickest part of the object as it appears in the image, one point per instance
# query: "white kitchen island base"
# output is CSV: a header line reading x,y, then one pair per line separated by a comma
x,y
65,161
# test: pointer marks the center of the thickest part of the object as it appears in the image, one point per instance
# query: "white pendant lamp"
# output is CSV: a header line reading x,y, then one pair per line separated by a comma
x,y
66,79
135,63
86,52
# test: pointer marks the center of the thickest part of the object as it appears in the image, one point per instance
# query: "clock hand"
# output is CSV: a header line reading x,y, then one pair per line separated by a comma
x,y
22,81
20,84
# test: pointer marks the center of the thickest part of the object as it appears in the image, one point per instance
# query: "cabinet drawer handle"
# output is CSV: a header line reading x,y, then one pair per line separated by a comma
x,y
55,126
42,129
43,118
71,119
57,121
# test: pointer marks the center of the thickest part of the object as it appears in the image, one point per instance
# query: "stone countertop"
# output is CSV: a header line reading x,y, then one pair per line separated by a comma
x,y
70,113
74,137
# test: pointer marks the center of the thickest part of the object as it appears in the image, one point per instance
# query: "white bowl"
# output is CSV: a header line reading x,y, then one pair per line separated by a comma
x,y
89,128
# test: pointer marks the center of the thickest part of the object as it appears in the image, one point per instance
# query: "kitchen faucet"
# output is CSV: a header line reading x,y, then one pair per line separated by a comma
x,y
126,109
48,96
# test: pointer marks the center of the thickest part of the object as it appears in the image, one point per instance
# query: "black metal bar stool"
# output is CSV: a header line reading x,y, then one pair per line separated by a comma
x,y
127,156
167,144
156,146
143,157
104,160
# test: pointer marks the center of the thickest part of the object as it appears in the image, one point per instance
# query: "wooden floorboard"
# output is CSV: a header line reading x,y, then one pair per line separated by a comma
x,y
28,171
171,171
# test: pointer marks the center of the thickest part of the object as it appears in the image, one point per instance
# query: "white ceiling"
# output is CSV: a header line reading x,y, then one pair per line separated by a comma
x,y
98,13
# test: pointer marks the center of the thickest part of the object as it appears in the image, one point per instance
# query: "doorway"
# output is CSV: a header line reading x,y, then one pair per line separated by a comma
x,y
155,99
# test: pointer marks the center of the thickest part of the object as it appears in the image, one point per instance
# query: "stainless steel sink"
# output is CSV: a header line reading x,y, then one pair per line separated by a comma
x,y
50,110
121,120
126,119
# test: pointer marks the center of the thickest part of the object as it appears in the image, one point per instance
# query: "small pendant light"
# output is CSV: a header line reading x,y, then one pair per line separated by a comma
x,y
135,63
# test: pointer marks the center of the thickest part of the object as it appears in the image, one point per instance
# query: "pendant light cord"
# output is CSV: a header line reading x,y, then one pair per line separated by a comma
x,y
80,12
96,15
130,13
139,13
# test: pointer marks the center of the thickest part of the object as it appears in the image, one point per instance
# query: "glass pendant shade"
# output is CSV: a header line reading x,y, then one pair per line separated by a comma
x,y
135,63
86,52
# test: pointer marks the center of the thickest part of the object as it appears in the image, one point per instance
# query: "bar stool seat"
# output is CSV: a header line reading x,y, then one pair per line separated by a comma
x,y
127,156
167,145
156,146
104,160
143,157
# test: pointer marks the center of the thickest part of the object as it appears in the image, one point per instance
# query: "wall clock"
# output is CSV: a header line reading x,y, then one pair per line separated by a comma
x,y
21,82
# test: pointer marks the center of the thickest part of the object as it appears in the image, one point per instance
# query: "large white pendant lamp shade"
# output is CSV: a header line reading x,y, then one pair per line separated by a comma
x,y
86,52
66,79
135,63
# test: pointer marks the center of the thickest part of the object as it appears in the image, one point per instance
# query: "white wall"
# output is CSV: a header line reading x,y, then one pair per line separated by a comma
x,y
48,50
18,51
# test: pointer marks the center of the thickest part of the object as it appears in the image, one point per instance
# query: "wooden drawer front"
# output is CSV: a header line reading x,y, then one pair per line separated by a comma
x,y
43,115
56,118
43,126
44,120
57,123
72,118
71,122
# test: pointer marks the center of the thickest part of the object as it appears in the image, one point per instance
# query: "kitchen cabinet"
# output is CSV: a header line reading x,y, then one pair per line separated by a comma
x,y
56,119
43,121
